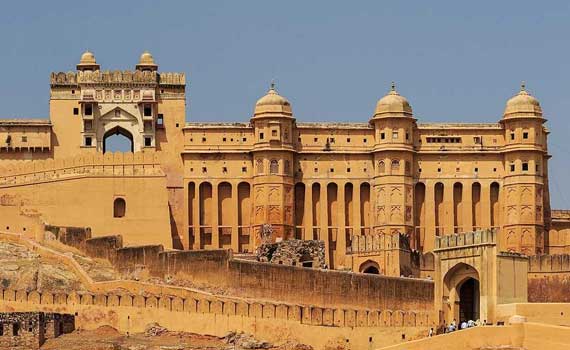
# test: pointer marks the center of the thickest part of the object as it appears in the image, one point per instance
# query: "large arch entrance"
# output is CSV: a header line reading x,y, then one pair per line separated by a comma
x,y
118,139
370,267
461,294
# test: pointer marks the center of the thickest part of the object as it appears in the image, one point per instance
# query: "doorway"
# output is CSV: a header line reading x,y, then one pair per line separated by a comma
x,y
469,300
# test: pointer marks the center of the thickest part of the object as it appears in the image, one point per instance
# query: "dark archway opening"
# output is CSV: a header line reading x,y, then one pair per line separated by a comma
x,y
469,300
118,139
371,270
119,208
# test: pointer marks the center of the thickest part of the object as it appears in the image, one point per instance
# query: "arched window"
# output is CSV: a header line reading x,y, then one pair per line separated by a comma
x,y
395,166
259,166
381,167
119,208
274,166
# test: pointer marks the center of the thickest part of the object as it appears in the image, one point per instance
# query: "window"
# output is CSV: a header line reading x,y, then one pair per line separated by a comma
x,y
259,166
407,167
160,121
244,139
316,170
87,125
382,136
407,136
512,135
537,169
512,167
286,167
273,166
381,167
147,141
477,140
476,170
364,140
88,141
525,166
439,170
24,139
88,109
147,110
75,111
274,133
203,139
244,169
204,169
261,136
224,170
395,165
331,170
15,329
315,139
394,135
348,139
119,208
224,139
348,170
525,135
331,140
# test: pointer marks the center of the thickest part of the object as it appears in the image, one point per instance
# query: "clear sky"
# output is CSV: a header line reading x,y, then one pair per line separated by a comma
x,y
454,60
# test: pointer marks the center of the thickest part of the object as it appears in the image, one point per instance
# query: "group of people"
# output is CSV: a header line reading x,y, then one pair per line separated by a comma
x,y
454,326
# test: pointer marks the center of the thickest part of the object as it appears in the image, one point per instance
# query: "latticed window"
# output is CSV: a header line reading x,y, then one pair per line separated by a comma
x,y
395,165
259,166
381,167
274,167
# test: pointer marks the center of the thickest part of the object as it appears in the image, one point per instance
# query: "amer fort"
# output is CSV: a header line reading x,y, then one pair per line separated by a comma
x,y
385,234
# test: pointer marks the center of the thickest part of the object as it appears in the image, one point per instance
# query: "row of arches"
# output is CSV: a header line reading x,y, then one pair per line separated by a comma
x,y
456,207
219,215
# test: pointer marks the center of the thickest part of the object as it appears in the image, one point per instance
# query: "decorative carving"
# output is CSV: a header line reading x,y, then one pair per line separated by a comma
x,y
259,214
512,214
274,194
380,214
396,213
274,214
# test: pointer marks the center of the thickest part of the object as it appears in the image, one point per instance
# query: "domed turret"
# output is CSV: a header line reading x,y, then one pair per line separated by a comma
x,y
393,104
272,103
146,62
522,105
87,62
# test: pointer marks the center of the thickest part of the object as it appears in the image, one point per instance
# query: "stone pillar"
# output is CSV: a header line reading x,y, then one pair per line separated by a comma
x,y
215,229
341,230
485,205
235,218
308,216
356,208
196,217
429,231
468,206
324,227
448,205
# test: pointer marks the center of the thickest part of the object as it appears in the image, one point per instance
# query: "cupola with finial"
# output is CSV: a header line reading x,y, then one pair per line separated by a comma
x,y
87,62
272,104
393,104
522,105
146,62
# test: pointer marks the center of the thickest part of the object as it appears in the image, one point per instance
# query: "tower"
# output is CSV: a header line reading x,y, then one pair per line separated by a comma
x,y
273,156
393,154
524,184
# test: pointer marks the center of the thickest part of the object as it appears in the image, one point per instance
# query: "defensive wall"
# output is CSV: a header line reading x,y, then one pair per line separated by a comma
x,y
252,279
270,321
549,278
111,192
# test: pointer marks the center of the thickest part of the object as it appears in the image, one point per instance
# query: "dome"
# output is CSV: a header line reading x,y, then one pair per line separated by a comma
x,y
393,103
272,103
87,61
522,104
146,62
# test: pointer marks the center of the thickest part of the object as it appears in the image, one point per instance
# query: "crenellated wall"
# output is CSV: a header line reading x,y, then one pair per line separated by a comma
x,y
549,278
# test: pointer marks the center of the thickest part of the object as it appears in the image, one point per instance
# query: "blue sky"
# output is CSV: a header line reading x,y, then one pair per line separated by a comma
x,y
454,60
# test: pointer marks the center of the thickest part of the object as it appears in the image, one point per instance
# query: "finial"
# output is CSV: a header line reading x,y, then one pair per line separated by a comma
x,y
393,87
272,84
523,86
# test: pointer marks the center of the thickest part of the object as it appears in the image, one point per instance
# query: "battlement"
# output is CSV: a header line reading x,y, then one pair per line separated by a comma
x,y
459,240
116,77
377,243
549,263
108,164
558,214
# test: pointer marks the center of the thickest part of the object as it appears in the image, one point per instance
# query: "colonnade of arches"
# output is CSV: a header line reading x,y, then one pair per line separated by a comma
x,y
452,207
219,213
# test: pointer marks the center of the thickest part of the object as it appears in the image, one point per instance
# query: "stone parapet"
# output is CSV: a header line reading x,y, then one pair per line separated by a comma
x,y
461,240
